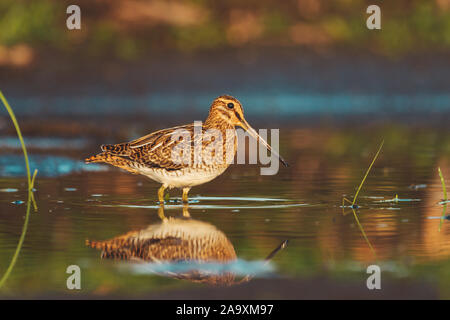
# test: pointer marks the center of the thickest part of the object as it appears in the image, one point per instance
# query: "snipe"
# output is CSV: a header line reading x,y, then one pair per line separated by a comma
x,y
183,241
154,155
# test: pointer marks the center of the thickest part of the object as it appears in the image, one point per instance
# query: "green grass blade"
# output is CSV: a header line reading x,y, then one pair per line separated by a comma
x,y
444,190
32,186
364,234
19,245
367,173
19,134
442,216
443,184
30,192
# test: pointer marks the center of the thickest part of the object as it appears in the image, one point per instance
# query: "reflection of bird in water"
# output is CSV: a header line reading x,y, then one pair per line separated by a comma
x,y
176,240
184,156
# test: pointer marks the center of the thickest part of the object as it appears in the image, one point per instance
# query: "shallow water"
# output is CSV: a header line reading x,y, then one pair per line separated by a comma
x,y
328,245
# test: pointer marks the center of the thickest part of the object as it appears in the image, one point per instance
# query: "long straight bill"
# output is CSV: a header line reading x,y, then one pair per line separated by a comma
x,y
255,135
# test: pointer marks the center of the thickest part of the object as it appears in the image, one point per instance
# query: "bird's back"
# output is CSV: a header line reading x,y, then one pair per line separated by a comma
x,y
171,149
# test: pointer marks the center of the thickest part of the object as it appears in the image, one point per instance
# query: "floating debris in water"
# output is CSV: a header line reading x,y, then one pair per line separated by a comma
x,y
397,199
447,217
235,210
97,195
353,206
9,190
70,189
18,202
417,186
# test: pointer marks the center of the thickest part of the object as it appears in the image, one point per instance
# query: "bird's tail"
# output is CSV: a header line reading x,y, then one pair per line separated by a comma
x,y
101,157
114,160
125,240
118,248
120,149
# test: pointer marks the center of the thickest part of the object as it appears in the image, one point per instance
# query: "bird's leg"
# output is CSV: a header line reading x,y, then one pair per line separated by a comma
x,y
161,194
185,195
186,213
161,213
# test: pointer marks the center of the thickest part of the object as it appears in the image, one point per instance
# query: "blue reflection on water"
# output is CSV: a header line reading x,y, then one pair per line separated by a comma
x,y
12,165
43,142
280,103
239,267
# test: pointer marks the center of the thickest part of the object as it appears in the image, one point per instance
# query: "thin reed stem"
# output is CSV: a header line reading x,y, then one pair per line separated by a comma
x,y
30,192
367,173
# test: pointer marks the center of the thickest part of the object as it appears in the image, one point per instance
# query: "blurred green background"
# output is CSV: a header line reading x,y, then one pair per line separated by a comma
x,y
308,67
133,29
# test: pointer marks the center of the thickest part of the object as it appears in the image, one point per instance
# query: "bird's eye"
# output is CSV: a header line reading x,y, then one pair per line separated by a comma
x,y
230,105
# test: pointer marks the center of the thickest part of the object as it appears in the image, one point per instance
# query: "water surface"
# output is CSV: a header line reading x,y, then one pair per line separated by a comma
x,y
327,253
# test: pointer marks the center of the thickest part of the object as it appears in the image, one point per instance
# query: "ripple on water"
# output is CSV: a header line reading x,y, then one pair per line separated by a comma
x,y
195,203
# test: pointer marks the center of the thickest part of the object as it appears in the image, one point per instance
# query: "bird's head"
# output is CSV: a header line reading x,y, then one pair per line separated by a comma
x,y
227,109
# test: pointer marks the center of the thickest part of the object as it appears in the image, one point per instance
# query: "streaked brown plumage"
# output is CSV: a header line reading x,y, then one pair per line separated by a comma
x,y
171,240
152,155
174,240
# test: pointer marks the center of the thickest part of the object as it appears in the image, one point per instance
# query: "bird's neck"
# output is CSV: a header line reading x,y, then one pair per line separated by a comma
x,y
217,121
228,131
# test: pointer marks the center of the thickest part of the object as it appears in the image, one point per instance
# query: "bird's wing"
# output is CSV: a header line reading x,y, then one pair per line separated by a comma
x,y
176,148
167,149
152,137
